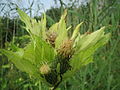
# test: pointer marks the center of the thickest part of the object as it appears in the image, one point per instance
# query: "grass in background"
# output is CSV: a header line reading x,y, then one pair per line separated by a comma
x,y
102,74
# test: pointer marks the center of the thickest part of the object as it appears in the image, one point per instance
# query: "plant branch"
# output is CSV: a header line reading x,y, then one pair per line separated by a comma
x,y
58,83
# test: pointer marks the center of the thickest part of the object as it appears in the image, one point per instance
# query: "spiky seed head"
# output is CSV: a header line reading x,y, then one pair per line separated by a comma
x,y
66,49
51,37
45,69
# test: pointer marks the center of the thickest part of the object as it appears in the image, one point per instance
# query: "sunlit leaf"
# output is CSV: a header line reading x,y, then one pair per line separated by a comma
x,y
43,26
62,31
43,51
90,39
76,31
85,57
32,26
29,53
21,63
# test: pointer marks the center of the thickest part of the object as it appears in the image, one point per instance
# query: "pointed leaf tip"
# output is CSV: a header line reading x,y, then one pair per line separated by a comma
x,y
75,32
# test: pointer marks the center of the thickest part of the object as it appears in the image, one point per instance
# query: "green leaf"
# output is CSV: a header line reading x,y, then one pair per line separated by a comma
x,y
69,28
85,57
25,18
50,20
43,26
43,51
21,63
54,28
29,53
62,31
76,31
6,66
32,26
88,40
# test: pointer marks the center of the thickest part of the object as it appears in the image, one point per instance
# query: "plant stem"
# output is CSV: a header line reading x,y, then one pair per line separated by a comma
x,y
58,83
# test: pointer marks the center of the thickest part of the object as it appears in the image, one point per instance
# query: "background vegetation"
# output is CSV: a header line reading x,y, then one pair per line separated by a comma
x,y
102,74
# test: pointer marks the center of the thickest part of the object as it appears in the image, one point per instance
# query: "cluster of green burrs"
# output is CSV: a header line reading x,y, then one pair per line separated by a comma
x,y
52,55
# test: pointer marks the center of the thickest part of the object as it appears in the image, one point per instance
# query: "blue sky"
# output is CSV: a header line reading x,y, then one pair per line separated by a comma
x,y
43,4
46,4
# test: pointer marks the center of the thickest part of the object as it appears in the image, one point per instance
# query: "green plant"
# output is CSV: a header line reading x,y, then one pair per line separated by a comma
x,y
53,55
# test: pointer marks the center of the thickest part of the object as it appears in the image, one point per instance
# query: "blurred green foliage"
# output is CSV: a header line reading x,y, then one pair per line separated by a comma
x,y
103,74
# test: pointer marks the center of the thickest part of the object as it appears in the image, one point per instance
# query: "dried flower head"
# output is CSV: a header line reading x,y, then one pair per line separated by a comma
x,y
66,49
51,37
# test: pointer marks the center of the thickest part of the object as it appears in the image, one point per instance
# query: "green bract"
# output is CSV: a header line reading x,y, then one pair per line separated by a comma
x,y
54,50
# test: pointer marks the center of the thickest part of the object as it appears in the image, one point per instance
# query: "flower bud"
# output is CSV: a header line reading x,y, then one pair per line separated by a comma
x,y
66,49
45,69
51,37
